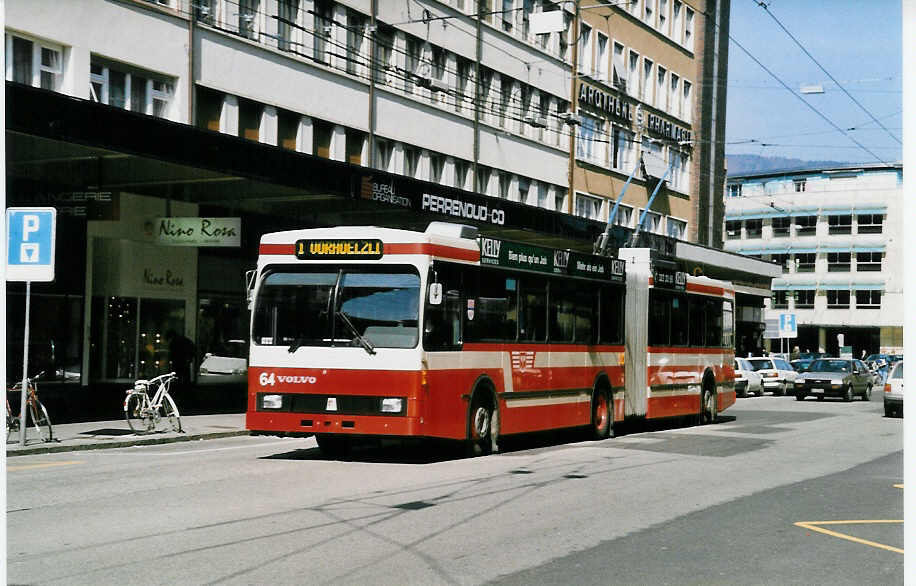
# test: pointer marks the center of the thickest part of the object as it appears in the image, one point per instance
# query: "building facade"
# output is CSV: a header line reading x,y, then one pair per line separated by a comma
x,y
837,234
135,117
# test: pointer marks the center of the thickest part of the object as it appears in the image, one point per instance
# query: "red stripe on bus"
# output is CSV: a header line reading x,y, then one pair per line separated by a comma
x,y
709,289
689,350
525,347
277,249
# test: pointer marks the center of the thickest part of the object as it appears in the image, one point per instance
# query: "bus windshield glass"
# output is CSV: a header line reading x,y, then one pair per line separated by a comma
x,y
353,306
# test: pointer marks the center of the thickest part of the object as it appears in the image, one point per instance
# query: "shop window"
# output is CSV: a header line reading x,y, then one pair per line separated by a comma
x,y
321,138
754,228
287,129
805,225
781,226
804,299
355,142
780,300
209,108
732,229
870,223
838,262
868,261
55,335
250,118
868,299
34,63
837,299
840,224
130,88
804,262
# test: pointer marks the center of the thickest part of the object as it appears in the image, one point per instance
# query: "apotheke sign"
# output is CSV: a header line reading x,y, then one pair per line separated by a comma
x,y
225,232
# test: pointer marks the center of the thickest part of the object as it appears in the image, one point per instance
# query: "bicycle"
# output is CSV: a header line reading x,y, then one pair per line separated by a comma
x,y
143,414
35,412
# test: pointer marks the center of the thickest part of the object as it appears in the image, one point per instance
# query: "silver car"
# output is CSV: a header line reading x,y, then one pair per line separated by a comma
x,y
834,377
893,392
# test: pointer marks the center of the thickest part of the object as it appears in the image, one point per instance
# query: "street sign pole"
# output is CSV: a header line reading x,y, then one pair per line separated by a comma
x,y
25,367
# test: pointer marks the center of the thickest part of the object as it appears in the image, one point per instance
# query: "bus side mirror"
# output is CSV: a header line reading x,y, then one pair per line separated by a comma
x,y
249,286
435,293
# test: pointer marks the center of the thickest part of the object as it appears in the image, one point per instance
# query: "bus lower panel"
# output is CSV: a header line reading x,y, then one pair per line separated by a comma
x,y
310,423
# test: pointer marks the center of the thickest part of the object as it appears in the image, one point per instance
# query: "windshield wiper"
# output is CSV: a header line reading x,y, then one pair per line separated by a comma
x,y
366,344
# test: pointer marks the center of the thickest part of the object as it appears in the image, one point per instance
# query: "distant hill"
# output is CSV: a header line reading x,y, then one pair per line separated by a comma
x,y
744,164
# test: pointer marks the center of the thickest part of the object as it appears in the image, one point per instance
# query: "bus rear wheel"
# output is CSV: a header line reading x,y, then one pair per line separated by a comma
x,y
708,406
601,415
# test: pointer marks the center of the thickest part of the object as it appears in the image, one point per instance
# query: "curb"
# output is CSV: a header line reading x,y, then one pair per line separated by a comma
x,y
51,449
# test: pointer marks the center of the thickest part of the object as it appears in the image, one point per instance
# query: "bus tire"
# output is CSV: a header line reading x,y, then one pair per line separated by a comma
x,y
482,424
333,446
708,405
602,414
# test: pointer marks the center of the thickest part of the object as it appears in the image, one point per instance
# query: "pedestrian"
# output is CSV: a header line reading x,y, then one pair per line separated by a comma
x,y
796,354
181,355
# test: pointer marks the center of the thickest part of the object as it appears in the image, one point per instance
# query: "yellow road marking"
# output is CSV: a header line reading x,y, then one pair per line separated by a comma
x,y
813,526
43,465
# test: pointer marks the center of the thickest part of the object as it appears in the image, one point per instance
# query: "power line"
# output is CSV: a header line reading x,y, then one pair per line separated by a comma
x,y
833,79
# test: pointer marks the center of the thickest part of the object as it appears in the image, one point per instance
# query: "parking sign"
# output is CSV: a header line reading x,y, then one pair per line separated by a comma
x,y
788,326
30,238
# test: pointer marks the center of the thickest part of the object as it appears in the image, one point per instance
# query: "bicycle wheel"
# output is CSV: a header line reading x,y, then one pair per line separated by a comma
x,y
137,412
12,426
39,420
169,412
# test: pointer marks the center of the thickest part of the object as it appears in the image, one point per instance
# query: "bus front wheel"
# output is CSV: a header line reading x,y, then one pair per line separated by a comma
x,y
601,415
708,406
481,433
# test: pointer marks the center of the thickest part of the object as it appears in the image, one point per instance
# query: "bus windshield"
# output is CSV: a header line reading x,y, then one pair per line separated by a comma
x,y
352,306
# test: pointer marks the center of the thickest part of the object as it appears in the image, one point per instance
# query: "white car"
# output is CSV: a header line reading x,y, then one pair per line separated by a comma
x,y
777,374
747,380
893,391
228,364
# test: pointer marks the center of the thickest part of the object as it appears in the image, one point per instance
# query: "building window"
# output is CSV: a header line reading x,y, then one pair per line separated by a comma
x,y
384,48
838,262
436,165
356,24
868,299
688,28
652,222
676,21
588,206
483,179
663,16
411,161
799,185
248,18
650,12
675,95
524,185
780,259
624,216
462,78
804,262
619,80
130,88
647,80
588,147
288,25
355,142
868,261
542,194
780,300
462,168
804,299
687,105
676,228
661,88
754,228
869,223
323,18
250,113
383,154
33,63
837,299
781,226
734,190
559,200
585,49
840,224
732,229
505,182
636,84
805,225
602,58
287,129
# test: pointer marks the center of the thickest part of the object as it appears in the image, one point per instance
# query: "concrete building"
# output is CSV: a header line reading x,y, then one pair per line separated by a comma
x,y
836,233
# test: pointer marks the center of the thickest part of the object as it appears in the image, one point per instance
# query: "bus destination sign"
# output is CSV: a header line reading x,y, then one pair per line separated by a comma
x,y
335,249
670,279
528,257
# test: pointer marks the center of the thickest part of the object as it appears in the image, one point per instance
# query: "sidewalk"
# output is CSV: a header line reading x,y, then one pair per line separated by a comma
x,y
99,435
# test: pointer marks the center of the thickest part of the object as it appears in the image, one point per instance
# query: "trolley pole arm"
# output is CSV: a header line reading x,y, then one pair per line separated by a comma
x,y
603,239
642,216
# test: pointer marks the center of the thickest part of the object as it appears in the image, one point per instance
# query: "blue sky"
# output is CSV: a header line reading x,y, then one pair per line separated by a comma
x,y
857,41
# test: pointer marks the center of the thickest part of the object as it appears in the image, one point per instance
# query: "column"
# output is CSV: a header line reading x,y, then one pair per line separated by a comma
x,y
229,115
267,131
448,172
339,143
304,135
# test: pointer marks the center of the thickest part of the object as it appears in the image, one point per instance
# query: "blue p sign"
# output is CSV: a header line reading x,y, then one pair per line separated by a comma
x,y
31,235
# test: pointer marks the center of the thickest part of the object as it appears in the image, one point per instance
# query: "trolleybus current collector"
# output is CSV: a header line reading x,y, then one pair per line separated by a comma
x,y
373,332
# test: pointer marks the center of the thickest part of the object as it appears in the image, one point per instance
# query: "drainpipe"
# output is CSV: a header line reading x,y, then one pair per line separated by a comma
x,y
479,56
572,106
191,15
373,44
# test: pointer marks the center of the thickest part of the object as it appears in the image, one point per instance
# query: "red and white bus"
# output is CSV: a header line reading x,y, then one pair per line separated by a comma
x,y
373,332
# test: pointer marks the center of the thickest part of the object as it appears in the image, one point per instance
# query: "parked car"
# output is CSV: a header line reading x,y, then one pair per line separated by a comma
x,y
778,376
801,364
893,392
746,379
835,377
227,364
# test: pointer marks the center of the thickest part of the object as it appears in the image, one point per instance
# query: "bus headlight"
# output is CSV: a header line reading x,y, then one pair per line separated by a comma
x,y
272,401
392,405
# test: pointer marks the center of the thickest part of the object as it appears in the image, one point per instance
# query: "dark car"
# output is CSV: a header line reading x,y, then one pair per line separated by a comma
x,y
834,377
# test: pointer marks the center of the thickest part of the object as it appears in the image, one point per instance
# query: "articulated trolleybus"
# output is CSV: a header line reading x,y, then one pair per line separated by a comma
x,y
362,332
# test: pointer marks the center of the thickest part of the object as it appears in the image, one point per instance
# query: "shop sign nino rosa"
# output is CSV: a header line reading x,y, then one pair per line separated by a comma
x,y
195,231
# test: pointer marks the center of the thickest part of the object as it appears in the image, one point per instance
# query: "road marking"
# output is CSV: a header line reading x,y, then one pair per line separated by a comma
x,y
813,526
42,465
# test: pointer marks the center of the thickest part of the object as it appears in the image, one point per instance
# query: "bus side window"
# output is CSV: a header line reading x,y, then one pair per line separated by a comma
x,y
442,328
713,322
562,312
492,317
659,318
586,316
679,320
533,310
697,317
611,312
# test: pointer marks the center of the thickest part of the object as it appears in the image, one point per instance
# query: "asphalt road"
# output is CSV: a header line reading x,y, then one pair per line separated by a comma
x,y
689,505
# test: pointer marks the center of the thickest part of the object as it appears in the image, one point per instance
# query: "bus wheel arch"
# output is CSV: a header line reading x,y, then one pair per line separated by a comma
x,y
709,404
483,419
602,409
